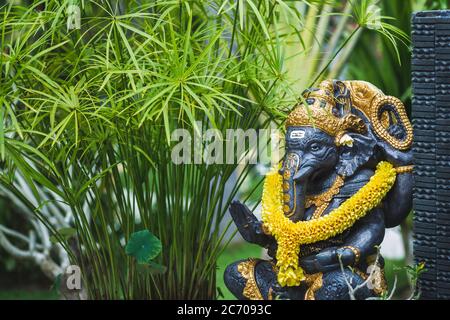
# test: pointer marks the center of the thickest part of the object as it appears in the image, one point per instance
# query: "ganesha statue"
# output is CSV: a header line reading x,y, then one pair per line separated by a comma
x,y
345,177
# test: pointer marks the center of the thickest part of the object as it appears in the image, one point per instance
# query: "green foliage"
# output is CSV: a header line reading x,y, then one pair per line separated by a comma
x,y
431,5
87,116
395,271
391,75
390,65
414,273
64,235
144,246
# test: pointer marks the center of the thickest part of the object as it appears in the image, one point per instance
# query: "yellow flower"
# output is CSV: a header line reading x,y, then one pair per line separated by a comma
x,y
290,235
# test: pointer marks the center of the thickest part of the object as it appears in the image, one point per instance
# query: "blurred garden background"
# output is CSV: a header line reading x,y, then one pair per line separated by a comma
x,y
123,57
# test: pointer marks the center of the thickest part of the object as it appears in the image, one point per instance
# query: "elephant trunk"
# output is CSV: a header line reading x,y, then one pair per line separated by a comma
x,y
294,189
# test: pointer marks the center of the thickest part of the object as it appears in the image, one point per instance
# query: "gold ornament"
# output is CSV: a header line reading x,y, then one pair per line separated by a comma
x,y
320,113
404,169
377,280
366,98
247,270
314,283
322,200
370,100
316,116
356,252
290,235
381,130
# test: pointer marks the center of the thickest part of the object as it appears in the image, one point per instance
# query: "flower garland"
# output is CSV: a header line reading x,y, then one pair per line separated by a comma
x,y
290,235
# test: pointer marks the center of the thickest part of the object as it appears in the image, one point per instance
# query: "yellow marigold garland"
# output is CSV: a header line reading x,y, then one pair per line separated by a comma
x,y
290,235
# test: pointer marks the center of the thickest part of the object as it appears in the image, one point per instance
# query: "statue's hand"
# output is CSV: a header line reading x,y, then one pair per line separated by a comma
x,y
324,261
327,260
248,225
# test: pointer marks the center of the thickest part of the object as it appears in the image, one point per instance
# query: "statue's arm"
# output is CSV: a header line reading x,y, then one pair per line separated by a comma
x,y
248,225
398,202
364,236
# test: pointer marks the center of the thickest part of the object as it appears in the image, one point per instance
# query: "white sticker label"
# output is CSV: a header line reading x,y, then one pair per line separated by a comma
x,y
297,134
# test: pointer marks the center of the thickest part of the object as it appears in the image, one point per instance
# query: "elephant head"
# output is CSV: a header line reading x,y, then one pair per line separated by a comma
x,y
313,157
330,134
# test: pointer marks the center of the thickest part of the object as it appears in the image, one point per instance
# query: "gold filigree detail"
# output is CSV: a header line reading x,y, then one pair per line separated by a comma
x,y
270,294
355,251
404,169
378,279
314,283
320,113
362,94
322,118
369,99
378,282
360,273
321,201
385,119
323,93
364,97
319,211
247,270
292,162
326,97
381,131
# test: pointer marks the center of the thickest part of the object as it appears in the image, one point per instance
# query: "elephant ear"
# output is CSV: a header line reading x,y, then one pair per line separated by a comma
x,y
356,154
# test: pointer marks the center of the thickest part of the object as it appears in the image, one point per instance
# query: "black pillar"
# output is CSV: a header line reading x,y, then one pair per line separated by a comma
x,y
431,121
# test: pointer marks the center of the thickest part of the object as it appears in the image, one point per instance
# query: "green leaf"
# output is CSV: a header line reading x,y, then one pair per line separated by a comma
x,y
2,134
54,240
144,246
65,233
220,293
261,20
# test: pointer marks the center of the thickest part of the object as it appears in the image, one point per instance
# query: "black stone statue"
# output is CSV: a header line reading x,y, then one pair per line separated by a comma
x,y
334,141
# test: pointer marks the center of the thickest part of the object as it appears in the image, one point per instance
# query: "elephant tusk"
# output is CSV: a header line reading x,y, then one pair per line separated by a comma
x,y
345,140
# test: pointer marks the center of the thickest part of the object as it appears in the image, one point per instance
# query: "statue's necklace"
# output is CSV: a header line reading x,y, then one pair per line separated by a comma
x,y
321,201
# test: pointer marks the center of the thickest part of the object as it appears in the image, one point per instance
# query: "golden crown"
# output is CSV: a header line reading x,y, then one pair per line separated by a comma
x,y
320,113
